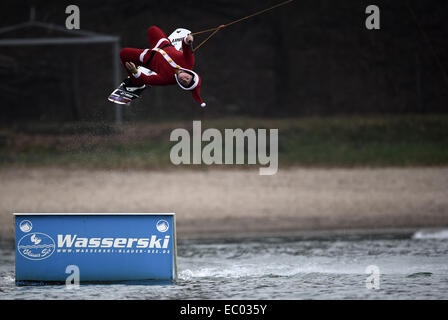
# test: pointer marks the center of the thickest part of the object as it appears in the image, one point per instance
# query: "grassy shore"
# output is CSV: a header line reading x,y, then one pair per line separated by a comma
x,y
342,141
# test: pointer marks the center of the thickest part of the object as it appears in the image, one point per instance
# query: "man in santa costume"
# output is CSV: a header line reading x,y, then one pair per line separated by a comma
x,y
170,65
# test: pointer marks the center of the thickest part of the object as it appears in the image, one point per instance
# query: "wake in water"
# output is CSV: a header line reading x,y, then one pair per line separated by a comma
x,y
287,259
411,266
431,234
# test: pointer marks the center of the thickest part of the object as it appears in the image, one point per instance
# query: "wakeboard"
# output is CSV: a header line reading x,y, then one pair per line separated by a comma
x,y
123,95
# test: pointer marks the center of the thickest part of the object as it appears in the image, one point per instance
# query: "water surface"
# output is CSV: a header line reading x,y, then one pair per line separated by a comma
x,y
411,266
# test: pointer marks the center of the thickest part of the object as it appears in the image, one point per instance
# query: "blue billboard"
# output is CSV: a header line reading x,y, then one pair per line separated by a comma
x,y
104,247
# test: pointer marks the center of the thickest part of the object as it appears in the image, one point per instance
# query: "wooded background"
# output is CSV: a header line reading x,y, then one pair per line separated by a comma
x,y
309,57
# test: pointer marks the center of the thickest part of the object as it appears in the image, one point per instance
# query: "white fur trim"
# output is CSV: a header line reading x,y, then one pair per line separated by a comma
x,y
167,58
203,104
142,55
196,82
160,42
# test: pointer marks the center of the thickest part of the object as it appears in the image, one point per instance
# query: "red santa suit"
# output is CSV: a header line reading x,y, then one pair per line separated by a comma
x,y
163,59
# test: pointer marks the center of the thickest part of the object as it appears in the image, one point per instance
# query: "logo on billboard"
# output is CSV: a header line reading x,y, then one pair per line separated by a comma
x,y
36,246
26,226
162,226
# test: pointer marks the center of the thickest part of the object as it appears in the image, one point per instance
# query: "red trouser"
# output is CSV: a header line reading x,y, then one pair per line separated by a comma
x,y
135,55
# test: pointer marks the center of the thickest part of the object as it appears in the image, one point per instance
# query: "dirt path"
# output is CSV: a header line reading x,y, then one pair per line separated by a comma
x,y
214,202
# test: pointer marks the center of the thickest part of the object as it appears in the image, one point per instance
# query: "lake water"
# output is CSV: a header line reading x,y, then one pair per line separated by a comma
x,y
321,266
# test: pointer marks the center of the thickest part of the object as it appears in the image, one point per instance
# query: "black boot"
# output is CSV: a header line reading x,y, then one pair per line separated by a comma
x,y
127,86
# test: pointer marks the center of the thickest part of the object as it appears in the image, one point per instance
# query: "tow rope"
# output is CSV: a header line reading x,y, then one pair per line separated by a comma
x,y
215,30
